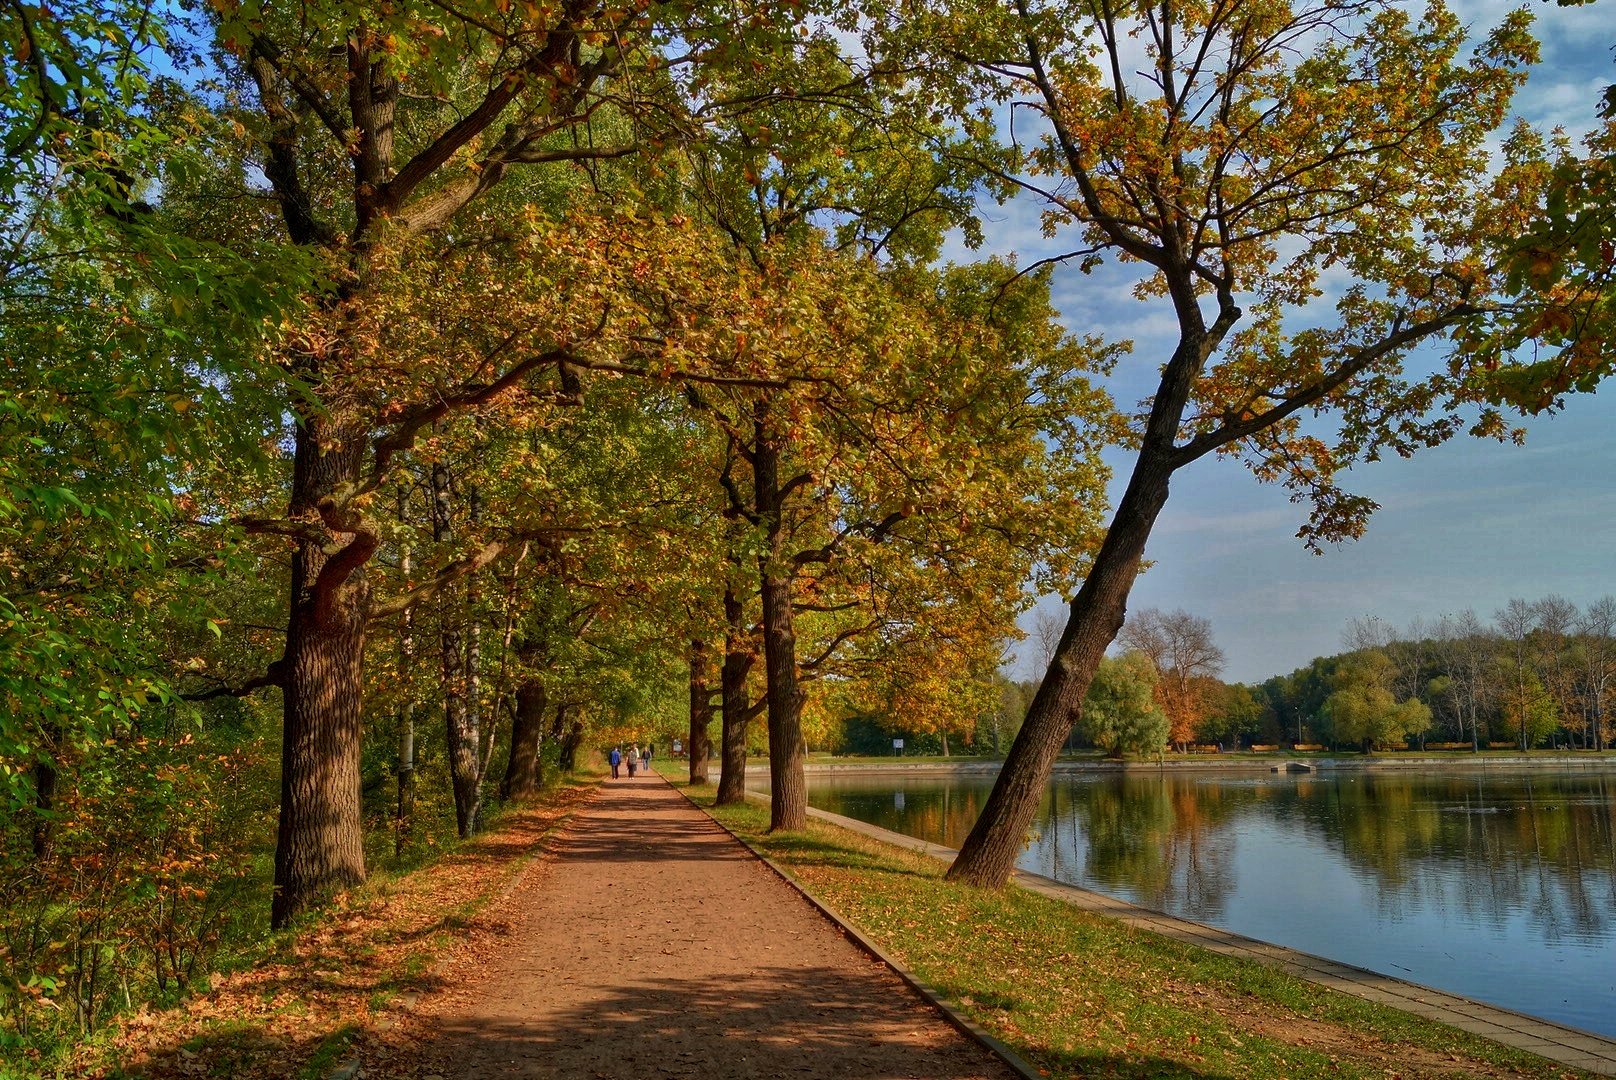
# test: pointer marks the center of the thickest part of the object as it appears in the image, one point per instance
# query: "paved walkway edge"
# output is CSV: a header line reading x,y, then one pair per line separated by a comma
x,y
966,1026
1557,1042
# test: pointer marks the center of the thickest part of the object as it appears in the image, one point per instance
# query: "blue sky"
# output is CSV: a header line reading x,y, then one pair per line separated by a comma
x,y
1467,525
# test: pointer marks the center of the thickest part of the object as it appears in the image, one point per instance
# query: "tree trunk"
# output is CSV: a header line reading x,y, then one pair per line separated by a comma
x,y
567,759
460,732
319,845
736,702
989,853
788,788
45,778
406,719
406,776
522,779
701,714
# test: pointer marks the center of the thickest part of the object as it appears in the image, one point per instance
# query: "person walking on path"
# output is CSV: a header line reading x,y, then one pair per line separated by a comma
x,y
616,758
633,760
645,758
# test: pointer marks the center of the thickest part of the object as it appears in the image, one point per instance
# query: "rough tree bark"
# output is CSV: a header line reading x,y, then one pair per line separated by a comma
x,y
788,788
736,707
701,713
522,777
319,847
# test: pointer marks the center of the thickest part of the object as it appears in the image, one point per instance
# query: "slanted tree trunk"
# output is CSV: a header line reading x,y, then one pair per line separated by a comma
x,y
701,713
736,705
989,853
522,778
788,789
320,843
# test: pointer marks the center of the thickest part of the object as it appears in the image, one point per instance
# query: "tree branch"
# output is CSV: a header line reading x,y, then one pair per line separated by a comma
x,y
274,675
451,573
1239,429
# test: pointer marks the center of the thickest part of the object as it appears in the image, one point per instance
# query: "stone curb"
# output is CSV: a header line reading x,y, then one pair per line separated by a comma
x,y
966,1026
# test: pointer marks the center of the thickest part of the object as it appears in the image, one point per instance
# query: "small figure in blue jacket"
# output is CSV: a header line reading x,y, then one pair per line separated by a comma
x,y
616,758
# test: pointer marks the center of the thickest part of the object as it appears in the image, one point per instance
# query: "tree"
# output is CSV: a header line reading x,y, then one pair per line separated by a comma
x,y
1233,712
1363,708
1527,705
1262,145
1121,713
130,387
1181,647
1464,648
1522,690
1597,627
1557,658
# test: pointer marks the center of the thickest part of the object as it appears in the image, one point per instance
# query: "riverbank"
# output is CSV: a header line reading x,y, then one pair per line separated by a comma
x,y
1241,762
1080,994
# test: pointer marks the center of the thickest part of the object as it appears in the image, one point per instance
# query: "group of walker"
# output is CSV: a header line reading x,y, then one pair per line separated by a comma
x,y
635,759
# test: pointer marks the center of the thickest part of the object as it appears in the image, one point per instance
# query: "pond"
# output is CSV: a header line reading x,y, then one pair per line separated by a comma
x,y
1500,886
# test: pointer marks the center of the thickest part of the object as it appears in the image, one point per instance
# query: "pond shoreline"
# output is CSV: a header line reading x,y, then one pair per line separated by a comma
x,y
1230,763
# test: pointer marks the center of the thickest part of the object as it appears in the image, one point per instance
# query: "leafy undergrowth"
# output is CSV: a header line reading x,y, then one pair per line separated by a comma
x,y
1077,994
352,970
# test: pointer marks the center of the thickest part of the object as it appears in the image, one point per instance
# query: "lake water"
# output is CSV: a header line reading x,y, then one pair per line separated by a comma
x,y
1500,886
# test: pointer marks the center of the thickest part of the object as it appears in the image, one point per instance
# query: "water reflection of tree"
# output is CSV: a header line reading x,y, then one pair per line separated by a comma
x,y
1484,847
1160,840
1488,847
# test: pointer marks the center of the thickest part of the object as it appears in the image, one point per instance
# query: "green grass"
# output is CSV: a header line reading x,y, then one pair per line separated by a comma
x,y
329,1054
1080,995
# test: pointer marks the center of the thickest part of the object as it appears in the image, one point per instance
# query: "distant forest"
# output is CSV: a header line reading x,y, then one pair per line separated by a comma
x,y
1537,675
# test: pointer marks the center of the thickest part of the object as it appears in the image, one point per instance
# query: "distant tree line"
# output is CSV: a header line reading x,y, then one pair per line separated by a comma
x,y
1539,674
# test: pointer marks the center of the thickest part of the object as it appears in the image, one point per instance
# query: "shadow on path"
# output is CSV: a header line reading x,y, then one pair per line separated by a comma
x,y
771,1022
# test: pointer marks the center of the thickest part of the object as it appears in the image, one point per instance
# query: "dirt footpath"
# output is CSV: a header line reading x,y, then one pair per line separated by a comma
x,y
653,945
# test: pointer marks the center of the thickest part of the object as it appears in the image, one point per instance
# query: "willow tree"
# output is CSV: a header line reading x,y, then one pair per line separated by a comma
x,y
1304,190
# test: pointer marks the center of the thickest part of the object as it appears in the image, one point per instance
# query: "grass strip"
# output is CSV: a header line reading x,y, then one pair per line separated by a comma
x,y
1077,994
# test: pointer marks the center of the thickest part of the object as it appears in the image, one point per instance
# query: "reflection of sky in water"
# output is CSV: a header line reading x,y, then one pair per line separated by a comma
x,y
1495,885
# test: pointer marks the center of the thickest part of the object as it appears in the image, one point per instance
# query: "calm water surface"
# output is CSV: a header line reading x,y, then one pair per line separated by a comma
x,y
1496,885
